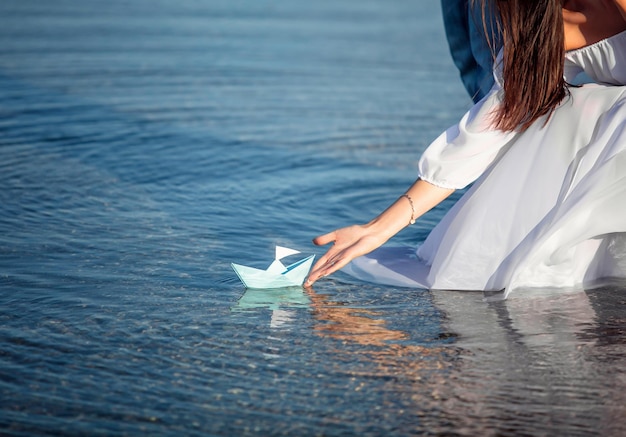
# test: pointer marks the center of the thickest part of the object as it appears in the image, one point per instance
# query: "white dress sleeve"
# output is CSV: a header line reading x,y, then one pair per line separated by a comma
x,y
466,150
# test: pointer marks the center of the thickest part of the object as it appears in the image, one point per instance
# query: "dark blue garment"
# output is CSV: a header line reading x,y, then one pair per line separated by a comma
x,y
470,46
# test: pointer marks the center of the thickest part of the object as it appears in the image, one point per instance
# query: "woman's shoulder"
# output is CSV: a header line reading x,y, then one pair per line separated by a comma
x,y
603,62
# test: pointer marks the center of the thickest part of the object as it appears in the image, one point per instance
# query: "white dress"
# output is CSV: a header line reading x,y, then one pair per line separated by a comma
x,y
547,207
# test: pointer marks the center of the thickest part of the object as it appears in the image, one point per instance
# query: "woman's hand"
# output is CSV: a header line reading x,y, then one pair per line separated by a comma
x,y
349,243
357,240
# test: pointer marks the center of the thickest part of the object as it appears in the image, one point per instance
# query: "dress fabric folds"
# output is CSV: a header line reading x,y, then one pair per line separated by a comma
x,y
546,208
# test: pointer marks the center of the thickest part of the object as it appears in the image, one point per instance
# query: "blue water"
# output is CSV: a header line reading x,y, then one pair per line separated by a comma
x,y
145,145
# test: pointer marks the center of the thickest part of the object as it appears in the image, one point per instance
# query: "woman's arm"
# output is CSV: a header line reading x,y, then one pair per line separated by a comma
x,y
454,160
354,241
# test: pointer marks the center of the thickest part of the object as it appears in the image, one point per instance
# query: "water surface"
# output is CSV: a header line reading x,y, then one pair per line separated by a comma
x,y
145,145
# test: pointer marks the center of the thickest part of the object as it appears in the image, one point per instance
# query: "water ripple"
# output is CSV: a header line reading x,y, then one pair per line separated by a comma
x,y
146,145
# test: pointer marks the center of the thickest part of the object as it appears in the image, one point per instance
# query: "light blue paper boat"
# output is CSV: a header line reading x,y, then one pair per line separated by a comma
x,y
276,275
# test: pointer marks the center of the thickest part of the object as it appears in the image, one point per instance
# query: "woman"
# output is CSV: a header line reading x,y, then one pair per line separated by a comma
x,y
547,160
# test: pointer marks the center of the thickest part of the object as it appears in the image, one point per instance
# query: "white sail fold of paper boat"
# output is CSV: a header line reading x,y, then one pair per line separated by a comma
x,y
276,275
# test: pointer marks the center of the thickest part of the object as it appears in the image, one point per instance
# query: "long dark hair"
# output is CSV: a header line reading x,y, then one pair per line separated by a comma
x,y
533,42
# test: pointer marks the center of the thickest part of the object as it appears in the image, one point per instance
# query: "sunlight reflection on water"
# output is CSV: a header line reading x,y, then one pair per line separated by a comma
x,y
145,145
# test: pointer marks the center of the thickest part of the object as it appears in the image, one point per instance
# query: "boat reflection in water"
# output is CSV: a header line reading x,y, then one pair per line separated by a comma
x,y
280,301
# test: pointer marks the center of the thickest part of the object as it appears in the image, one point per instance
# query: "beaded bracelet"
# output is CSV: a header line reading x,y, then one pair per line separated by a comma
x,y
412,221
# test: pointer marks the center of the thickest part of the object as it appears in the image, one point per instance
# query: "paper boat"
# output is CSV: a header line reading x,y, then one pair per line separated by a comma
x,y
276,275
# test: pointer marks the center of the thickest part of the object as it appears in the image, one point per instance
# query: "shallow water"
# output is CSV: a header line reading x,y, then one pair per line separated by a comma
x,y
145,145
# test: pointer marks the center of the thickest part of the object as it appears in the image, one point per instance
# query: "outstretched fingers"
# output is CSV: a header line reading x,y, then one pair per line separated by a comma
x,y
349,242
320,268
328,264
325,239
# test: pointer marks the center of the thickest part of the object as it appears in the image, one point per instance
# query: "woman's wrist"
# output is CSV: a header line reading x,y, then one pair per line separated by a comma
x,y
392,220
418,199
